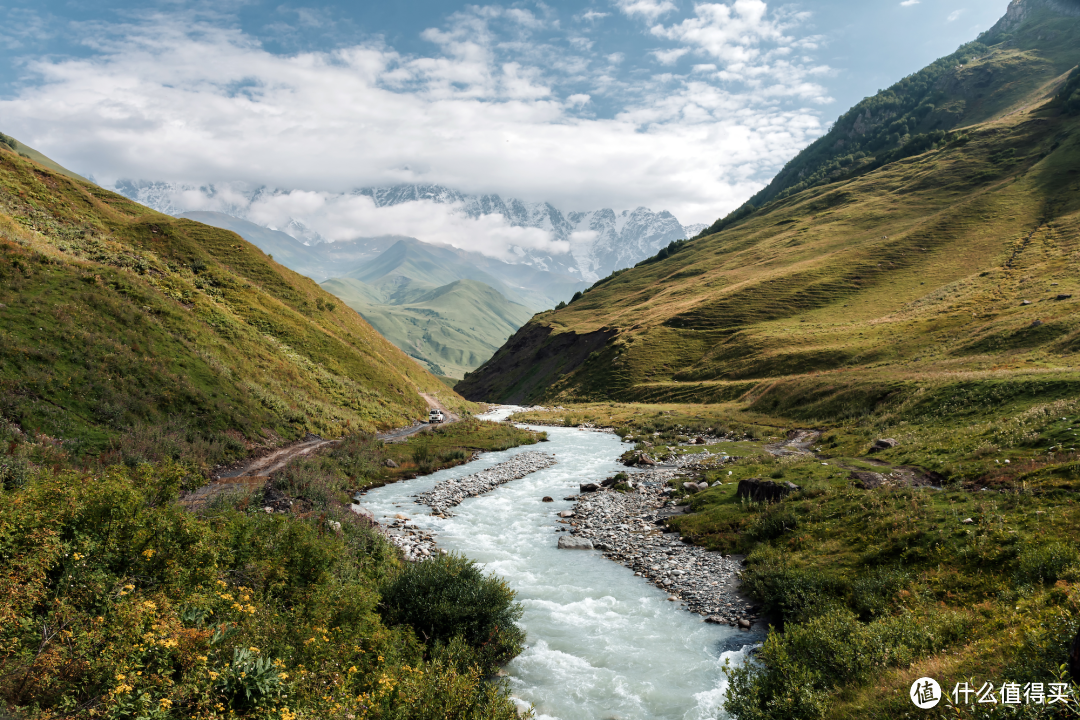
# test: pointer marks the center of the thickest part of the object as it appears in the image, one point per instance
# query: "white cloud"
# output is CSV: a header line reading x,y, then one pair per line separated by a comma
x,y
909,3
593,15
648,9
669,57
194,103
954,15
752,46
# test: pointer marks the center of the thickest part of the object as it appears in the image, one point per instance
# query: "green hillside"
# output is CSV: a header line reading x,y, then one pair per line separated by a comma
x,y
954,264
451,329
32,154
125,331
1014,64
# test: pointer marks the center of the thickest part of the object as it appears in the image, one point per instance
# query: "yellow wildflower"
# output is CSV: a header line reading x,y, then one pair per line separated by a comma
x,y
148,553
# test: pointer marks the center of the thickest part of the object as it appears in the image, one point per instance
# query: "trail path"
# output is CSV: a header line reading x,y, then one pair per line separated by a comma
x,y
253,474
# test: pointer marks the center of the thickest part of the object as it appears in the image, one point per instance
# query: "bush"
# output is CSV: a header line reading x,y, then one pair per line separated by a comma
x,y
448,596
799,669
1043,564
14,472
113,597
772,524
792,594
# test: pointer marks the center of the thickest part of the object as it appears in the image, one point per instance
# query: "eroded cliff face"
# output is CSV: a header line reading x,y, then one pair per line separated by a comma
x,y
530,363
1020,11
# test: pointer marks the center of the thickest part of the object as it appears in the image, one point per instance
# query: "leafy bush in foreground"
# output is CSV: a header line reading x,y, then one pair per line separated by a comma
x,y
117,603
448,596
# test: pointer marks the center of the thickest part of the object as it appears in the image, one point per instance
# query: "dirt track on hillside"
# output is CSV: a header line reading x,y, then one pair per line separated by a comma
x,y
253,474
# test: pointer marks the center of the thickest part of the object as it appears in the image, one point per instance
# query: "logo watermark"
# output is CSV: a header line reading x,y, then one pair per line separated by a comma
x,y
926,693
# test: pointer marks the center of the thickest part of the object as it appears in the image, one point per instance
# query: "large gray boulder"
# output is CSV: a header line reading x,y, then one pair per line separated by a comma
x,y
760,490
569,542
883,444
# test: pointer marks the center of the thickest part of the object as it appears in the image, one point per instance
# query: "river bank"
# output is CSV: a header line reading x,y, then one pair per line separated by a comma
x,y
601,642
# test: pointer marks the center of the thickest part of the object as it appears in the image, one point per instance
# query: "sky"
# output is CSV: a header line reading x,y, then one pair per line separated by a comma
x,y
685,106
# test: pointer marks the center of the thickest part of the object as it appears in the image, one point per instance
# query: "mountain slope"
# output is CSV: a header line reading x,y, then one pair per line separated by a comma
x,y
955,264
40,159
1015,63
451,329
116,318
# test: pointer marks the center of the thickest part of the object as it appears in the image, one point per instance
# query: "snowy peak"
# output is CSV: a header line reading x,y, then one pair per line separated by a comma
x,y
600,241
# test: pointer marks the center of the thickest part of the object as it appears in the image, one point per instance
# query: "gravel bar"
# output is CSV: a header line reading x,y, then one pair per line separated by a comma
x,y
625,526
449,493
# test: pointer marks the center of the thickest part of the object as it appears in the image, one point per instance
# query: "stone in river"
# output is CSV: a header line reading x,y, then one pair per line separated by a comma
x,y
714,619
547,499
569,542
566,513
744,623
589,487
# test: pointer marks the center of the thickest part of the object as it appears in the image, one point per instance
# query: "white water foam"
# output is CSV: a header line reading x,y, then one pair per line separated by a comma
x,y
601,642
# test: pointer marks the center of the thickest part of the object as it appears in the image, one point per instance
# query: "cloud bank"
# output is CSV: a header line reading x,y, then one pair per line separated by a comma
x,y
498,105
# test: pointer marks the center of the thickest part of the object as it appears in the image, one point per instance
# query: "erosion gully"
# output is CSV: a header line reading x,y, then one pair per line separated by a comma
x,y
603,644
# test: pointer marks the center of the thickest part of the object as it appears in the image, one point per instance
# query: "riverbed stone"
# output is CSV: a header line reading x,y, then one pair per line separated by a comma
x,y
588,487
569,542
547,499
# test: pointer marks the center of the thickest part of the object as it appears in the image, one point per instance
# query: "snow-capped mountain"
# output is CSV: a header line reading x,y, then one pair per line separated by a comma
x,y
600,241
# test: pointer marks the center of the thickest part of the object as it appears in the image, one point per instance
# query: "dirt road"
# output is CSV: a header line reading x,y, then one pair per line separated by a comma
x,y
253,474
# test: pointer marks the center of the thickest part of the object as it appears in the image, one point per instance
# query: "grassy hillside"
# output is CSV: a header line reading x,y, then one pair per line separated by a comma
x,y
32,154
130,332
1014,64
954,265
452,329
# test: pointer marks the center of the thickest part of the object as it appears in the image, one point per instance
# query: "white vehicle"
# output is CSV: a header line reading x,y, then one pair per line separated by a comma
x,y
435,416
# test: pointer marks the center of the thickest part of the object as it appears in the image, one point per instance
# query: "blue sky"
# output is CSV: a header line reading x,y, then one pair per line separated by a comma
x,y
665,103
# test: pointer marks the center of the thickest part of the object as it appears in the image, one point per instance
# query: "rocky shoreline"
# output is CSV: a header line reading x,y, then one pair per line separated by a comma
x,y
626,526
450,493
417,544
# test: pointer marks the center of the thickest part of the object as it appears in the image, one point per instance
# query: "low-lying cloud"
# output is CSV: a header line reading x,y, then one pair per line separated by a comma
x,y
492,109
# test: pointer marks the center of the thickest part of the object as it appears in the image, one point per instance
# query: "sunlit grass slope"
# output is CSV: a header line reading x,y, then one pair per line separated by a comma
x,y
452,329
114,317
956,264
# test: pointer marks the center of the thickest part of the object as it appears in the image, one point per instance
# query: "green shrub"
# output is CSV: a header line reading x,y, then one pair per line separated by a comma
x,y
1044,563
791,594
772,523
448,596
14,472
798,670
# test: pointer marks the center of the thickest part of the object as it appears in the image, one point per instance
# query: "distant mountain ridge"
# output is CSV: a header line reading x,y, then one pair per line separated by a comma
x,y
601,241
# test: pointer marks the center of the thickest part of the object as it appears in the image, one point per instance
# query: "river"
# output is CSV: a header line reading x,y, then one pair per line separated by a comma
x,y
602,643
